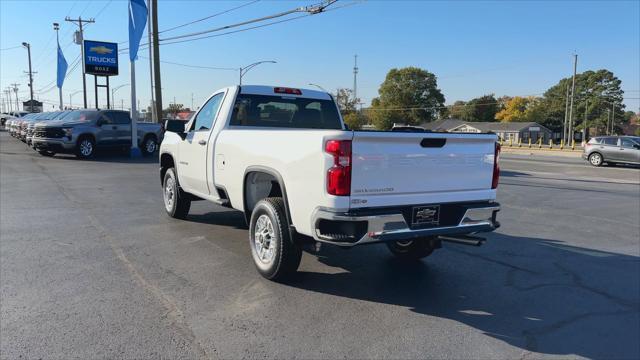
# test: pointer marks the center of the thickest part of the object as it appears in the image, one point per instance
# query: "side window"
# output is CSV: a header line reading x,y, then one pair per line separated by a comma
x,y
610,141
206,116
627,143
105,119
120,118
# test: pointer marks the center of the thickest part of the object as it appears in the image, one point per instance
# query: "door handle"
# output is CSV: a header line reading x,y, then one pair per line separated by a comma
x,y
202,142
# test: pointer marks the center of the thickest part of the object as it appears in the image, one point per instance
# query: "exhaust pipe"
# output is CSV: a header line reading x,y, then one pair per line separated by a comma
x,y
463,239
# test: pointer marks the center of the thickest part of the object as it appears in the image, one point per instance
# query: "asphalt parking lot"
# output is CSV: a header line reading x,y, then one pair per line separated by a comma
x,y
91,267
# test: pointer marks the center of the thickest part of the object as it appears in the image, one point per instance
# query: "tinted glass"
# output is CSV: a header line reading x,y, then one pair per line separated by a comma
x,y
595,140
119,117
285,112
204,119
628,143
610,141
81,116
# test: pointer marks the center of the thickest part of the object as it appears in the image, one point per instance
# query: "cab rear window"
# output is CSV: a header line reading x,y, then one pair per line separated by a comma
x,y
285,112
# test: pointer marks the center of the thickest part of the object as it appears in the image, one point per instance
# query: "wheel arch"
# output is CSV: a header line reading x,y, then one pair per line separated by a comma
x,y
166,162
250,198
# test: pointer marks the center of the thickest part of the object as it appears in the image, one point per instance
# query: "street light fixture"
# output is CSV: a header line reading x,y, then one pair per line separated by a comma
x,y
28,47
319,87
113,92
71,97
243,70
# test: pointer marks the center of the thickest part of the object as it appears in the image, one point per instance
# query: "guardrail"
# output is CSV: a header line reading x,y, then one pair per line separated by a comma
x,y
539,145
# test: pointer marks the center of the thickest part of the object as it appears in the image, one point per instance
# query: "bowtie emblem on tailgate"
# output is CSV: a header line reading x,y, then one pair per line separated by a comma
x,y
426,214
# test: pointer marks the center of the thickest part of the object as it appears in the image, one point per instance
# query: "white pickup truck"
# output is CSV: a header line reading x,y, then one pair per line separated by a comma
x,y
285,159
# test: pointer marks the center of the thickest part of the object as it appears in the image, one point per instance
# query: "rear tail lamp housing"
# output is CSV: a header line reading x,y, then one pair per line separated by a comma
x,y
339,175
496,167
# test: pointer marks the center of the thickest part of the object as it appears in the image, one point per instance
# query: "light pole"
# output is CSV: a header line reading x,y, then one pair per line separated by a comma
x,y
319,87
113,92
71,96
243,70
56,27
28,46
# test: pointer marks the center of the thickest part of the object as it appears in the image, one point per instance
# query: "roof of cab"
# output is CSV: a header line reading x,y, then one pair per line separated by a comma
x,y
270,91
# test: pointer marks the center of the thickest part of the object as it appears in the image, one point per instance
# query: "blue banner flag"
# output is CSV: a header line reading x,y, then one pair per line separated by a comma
x,y
62,67
137,22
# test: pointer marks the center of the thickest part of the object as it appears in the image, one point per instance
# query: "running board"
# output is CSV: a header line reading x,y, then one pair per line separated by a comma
x,y
463,239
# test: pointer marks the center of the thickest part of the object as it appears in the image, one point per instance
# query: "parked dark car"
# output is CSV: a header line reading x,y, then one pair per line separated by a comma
x,y
612,150
83,131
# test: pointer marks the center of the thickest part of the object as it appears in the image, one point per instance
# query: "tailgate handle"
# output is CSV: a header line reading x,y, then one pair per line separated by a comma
x,y
433,142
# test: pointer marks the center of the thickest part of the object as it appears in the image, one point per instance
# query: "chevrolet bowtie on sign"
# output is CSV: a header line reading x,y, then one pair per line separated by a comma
x,y
100,58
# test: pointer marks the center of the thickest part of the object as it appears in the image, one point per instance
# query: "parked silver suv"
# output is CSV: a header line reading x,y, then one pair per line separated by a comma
x,y
612,150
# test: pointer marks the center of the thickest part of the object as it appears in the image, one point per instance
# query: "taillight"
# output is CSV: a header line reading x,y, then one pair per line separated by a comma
x,y
496,167
339,175
284,90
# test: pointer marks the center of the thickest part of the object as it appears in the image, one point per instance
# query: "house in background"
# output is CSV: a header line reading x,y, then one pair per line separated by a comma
x,y
514,131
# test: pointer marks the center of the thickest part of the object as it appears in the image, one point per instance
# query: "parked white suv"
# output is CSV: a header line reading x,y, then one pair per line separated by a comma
x,y
284,157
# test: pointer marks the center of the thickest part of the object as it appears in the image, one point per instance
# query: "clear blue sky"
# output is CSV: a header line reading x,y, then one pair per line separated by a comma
x,y
473,47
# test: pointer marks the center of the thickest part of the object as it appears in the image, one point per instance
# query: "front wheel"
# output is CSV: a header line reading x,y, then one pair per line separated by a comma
x,y
46,153
85,148
413,249
176,201
274,252
595,159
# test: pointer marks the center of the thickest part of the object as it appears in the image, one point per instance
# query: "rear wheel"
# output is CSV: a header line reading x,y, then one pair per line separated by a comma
x,y
595,159
149,146
413,249
176,201
274,252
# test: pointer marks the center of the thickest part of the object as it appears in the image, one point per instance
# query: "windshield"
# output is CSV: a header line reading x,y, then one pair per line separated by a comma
x,y
285,112
81,116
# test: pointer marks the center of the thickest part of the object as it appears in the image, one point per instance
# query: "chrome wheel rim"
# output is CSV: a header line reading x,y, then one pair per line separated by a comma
x,y
86,148
169,193
595,159
150,146
404,243
264,239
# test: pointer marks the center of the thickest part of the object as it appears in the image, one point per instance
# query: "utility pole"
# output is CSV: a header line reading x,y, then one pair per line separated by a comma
x,y
585,127
14,87
608,121
156,59
355,77
28,46
566,116
8,93
613,116
573,90
80,42
191,108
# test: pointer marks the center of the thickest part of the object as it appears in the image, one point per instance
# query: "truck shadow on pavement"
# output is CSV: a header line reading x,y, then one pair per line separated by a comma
x,y
535,294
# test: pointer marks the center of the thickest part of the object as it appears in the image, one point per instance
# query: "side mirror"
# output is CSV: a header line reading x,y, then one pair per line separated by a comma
x,y
636,146
175,126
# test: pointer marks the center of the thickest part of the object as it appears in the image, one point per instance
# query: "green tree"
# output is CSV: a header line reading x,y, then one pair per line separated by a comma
x,y
345,100
483,108
597,94
409,95
355,120
521,109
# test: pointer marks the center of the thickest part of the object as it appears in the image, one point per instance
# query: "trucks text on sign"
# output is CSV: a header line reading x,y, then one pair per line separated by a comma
x,y
100,58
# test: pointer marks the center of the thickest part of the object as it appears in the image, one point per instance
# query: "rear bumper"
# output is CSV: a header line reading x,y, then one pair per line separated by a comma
x,y
350,229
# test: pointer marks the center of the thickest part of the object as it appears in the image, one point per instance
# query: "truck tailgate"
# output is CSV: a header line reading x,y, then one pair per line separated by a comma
x,y
394,169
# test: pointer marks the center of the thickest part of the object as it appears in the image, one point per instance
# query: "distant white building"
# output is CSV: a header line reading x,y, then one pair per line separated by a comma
x,y
514,131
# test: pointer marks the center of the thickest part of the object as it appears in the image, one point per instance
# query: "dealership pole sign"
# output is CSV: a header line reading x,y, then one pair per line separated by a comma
x,y
100,58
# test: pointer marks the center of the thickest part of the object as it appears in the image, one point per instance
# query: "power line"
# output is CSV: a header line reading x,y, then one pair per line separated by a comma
x,y
194,66
11,48
314,9
210,16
